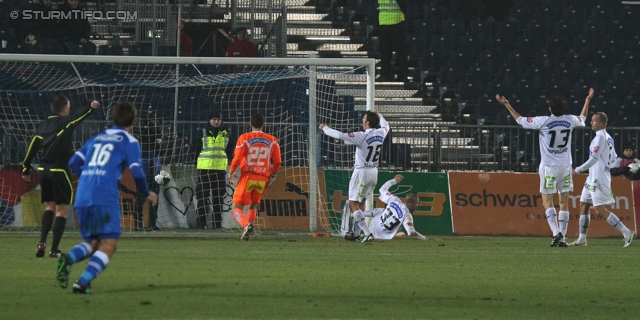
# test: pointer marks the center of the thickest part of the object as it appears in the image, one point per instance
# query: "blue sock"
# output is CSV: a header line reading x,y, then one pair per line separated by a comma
x,y
97,263
79,252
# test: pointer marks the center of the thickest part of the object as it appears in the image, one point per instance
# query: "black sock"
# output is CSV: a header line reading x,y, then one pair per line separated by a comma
x,y
58,230
47,222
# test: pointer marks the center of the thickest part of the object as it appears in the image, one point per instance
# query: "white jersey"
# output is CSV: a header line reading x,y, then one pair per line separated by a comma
x,y
386,222
368,143
555,136
602,150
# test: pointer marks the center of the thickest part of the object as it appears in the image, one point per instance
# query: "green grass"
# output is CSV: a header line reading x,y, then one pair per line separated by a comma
x,y
297,277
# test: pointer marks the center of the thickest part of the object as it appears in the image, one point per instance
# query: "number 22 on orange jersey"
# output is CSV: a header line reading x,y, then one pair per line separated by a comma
x,y
258,156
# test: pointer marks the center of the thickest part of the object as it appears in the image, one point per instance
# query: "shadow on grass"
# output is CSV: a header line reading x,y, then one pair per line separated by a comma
x,y
153,287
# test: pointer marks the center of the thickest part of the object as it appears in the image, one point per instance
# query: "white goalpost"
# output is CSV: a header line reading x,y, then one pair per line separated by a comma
x,y
176,97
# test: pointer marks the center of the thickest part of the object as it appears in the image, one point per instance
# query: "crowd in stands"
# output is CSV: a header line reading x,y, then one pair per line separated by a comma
x,y
38,33
22,30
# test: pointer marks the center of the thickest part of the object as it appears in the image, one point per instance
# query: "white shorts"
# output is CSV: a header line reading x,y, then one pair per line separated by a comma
x,y
555,179
362,183
598,194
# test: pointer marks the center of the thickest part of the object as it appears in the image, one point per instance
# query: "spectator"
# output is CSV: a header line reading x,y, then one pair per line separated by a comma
x,y
186,44
75,30
392,38
39,30
214,152
628,157
241,46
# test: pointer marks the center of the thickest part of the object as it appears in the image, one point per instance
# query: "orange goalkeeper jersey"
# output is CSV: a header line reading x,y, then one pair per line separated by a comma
x,y
257,153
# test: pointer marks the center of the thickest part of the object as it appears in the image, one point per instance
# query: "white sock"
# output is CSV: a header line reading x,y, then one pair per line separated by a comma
x,y
550,214
584,225
346,220
616,223
359,217
563,222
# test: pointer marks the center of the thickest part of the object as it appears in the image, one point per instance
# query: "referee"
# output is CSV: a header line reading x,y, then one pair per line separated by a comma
x,y
54,136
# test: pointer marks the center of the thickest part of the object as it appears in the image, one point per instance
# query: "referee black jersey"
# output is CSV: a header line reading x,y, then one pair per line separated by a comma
x,y
54,136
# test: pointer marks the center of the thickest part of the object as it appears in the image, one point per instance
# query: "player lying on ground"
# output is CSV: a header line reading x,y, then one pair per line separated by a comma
x,y
386,221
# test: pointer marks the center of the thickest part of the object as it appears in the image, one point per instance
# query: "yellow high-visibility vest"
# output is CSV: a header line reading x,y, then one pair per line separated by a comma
x,y
213,156
390,12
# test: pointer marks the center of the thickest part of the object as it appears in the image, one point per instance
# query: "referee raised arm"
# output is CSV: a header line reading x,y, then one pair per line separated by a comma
x,y
54,136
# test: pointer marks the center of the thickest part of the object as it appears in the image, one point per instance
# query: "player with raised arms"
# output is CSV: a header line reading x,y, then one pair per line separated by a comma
x,y
54,137
365,175
556,163
99,164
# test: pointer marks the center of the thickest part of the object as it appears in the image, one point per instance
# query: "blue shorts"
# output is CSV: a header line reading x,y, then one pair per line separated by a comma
x,y
99,222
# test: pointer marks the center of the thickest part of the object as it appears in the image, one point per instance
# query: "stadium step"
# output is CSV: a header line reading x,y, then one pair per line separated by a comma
x,y
380,93
331,37
323,46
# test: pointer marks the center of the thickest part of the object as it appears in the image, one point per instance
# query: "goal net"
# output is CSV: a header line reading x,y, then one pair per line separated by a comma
x,y
176,98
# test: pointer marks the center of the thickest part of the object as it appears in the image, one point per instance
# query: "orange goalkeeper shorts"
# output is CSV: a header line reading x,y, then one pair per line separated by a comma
x,y
249,189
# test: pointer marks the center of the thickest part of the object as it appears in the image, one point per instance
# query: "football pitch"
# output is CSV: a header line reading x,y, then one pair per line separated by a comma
x,y
301,277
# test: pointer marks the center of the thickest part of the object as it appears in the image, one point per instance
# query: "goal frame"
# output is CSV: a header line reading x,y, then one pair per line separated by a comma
x,y
312,62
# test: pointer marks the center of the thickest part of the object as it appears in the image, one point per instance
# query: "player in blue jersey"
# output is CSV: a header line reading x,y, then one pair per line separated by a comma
x,y
99,164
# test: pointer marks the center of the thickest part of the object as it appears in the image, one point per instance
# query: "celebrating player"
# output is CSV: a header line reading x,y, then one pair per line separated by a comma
x,y
258,155
365,175
387,221
100,163
54,136
555,166
597,188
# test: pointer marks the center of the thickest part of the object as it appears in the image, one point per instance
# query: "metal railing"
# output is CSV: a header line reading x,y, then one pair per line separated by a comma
x,y
483,147
410,146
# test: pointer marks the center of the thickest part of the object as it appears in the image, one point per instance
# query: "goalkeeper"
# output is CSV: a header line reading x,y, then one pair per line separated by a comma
x,y
387,221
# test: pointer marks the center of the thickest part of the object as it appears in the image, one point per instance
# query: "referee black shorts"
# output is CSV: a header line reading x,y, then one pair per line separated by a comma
x,y
55,183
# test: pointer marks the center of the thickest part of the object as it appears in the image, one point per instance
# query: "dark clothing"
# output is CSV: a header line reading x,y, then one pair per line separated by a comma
x,y
393,38
186,44
76,28
56,184
148,136
46,28
212,184
624,170
39,30
54,136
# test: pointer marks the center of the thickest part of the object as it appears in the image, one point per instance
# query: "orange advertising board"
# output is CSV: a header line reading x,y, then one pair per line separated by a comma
x,y
285,206
511,204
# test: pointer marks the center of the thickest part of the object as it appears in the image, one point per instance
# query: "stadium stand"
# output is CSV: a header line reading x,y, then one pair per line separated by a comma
x,y
539,49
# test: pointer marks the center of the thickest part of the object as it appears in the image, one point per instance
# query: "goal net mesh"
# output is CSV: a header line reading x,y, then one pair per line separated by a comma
x,y
175,103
